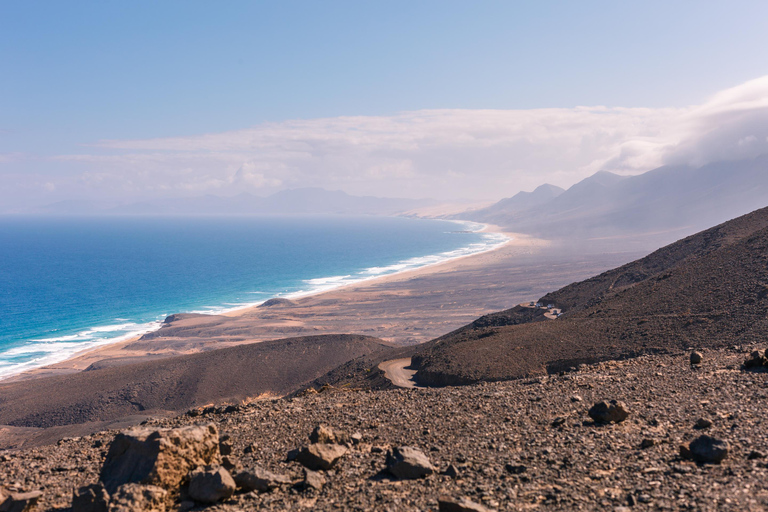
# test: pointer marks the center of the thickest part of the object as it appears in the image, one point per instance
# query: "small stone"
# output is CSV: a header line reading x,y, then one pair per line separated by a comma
x,y
576,398
705,449
451,471
312,480
558,421
20,501
609,412
515,469
696,357
357,438
259,479
211,484
133,497
186,505
225,445
90,498
231,464
754,454
326,435
755,360
407,463
448,504
320,456
647,443
702,423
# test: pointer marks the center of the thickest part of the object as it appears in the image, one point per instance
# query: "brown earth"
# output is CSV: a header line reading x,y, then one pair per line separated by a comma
x,y
518,445
271,368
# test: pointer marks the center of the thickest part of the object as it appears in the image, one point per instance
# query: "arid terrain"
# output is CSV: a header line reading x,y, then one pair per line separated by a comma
x,y
520,445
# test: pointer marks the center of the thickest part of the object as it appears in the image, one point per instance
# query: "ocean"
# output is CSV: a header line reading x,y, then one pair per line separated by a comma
x,y
69,284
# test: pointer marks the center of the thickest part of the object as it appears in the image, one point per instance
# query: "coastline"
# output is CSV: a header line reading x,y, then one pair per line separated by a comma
x,y
116,349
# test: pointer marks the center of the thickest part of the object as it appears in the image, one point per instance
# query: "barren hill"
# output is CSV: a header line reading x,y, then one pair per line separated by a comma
x,y
173,384
708,290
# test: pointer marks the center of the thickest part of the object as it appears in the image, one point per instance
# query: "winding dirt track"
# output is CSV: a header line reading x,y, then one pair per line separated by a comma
x,y
396,370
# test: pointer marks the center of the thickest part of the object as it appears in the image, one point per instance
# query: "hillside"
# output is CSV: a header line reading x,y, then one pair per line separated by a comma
x,y
709,290
271,368
663,204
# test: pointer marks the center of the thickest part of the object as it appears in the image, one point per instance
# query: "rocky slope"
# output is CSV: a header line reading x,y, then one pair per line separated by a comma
x,y
520,445
708,290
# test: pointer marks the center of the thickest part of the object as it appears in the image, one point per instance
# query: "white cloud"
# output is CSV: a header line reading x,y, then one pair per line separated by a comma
x,y
474,154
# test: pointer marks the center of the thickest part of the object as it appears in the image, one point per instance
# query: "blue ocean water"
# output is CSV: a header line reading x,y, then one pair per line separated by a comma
x,y
68,284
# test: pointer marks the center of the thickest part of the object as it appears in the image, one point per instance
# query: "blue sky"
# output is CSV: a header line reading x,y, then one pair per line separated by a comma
x,y
75,73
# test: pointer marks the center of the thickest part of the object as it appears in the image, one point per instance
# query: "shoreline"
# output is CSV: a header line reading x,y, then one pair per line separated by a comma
x,y
112,348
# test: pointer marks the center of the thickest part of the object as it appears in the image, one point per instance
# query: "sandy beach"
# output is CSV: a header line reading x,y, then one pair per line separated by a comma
x,y
406,308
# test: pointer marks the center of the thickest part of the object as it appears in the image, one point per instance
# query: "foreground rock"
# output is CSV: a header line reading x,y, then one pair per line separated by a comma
x,y
407,463
135,497
757,359
159,457
19,501
448,504
696,357
705,449
90,498
609,412
211,484
259,479
320,456
326,435
313,480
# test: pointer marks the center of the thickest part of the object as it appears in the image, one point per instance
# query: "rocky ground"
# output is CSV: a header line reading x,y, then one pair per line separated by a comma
x,y
519,445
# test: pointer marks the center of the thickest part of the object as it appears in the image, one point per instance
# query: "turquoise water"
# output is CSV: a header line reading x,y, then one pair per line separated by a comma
x,y
69,284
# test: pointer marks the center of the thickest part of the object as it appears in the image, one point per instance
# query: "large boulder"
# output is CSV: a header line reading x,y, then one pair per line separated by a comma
x,y
135,497
406,463
211,484
163,458
320,456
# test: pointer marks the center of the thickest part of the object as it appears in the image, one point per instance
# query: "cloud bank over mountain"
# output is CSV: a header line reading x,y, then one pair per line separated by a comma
x,y
446,154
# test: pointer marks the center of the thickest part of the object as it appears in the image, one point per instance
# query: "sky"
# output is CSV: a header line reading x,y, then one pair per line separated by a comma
x,y
472,100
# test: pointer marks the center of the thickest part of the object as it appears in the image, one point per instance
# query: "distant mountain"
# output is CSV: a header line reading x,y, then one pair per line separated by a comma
x,y
523,201
295,201
669,202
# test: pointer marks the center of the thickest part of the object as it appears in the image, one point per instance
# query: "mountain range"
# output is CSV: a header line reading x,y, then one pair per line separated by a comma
x,y
666,203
